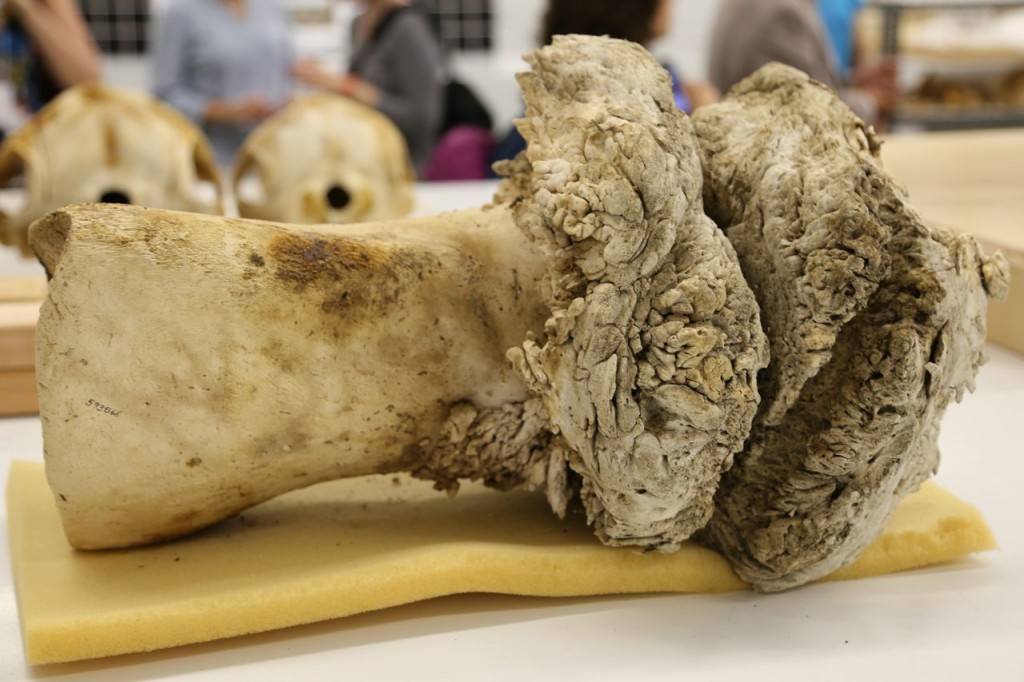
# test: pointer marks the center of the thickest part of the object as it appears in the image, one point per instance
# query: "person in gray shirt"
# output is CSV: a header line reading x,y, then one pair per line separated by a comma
x,y
226,64
748,34
396,67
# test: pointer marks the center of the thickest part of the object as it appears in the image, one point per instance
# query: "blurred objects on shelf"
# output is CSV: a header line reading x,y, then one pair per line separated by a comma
x,y
961,63
966,100
957,90
989,34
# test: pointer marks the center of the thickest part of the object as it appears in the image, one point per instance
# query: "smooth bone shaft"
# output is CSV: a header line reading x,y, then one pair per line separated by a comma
x,y
191,366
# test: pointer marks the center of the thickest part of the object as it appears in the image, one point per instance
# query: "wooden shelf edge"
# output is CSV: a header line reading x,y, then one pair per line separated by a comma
x,y
18,394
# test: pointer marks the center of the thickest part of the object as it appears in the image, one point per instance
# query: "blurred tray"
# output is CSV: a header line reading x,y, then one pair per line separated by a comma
x,y
960,116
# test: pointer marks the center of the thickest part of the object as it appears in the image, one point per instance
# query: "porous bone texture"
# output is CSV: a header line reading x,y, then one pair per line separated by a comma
x,y
649,360
876,322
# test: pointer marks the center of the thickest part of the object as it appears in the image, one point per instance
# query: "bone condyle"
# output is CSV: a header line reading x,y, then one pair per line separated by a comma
x,y
876,323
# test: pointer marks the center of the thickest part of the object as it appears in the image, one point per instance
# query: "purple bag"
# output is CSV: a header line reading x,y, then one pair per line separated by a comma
x,y
462,153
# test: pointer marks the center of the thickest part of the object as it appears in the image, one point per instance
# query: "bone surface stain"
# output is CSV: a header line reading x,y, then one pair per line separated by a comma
x,y
111,151
305,258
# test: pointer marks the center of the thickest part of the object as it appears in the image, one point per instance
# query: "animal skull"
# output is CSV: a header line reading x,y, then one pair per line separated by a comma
x,y
324,159
99,144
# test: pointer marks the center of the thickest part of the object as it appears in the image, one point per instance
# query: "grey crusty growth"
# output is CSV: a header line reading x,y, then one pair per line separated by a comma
x,y
876,323
649,365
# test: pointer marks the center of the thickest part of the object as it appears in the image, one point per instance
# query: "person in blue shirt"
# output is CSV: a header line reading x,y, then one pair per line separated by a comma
x,y
45,47
225,64
839,18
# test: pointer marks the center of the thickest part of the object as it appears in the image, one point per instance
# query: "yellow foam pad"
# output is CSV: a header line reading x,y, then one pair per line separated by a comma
x,y
358,545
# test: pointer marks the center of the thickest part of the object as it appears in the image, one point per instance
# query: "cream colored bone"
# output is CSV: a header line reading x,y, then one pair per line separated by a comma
x,y
325,159
214,363
96,143
190,367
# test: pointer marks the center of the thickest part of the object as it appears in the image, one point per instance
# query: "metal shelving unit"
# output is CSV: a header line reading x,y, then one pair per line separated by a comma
x,y
942,117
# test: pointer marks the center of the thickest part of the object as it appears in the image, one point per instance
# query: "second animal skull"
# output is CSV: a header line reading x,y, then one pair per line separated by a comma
x,y
324,159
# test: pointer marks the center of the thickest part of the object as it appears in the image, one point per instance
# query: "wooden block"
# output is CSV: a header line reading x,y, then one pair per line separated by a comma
x,y
22,289
17,335
19,311
18,395
972,182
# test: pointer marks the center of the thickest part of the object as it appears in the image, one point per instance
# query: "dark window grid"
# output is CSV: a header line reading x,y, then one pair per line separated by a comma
x,y
126,32
115,7
478,30
101,32
460,24
119,26
451,28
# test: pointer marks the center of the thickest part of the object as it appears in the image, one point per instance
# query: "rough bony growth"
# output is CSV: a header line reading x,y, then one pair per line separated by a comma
x,y
876,323
649,362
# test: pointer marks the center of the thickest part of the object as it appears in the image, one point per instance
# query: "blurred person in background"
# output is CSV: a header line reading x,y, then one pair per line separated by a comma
x,y
396,67
225,64
45,47
641,21
840,20
750,33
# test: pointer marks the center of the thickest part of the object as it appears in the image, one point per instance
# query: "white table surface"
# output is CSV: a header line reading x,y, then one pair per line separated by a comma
x,y
963,621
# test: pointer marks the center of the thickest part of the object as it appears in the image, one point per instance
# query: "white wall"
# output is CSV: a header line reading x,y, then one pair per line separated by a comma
x,y
687,44
517,24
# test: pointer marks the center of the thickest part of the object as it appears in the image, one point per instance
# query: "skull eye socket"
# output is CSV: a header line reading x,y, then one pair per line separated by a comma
x,y
114,196
338,197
